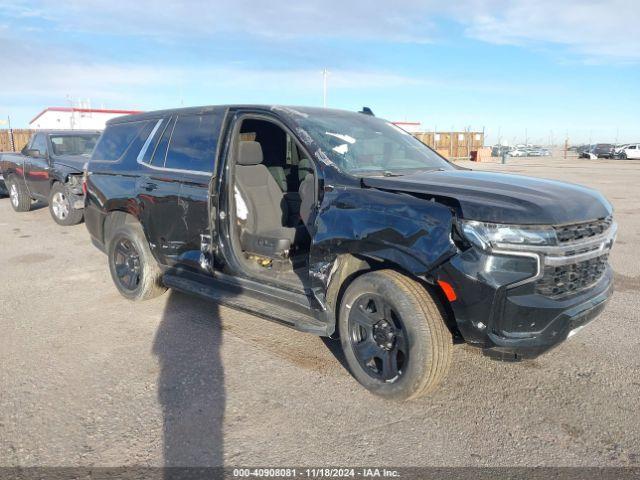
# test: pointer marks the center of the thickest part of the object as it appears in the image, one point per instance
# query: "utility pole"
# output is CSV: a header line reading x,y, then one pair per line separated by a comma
x,y
11,140
526,137
325,73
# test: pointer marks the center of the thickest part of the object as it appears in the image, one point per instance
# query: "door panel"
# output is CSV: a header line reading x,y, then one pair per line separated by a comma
x,y
192,151
36,169
160,213
158,193
194,212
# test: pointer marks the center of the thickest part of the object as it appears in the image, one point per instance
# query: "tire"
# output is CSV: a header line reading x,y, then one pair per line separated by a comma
x,y
623,156
20,199
420,344
133,268
60,206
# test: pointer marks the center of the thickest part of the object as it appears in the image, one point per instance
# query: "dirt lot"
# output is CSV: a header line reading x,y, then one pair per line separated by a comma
x,y
87,378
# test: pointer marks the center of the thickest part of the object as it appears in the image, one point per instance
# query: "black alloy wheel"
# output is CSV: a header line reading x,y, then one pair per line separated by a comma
x,y
393,335
378,338
134,270
127,264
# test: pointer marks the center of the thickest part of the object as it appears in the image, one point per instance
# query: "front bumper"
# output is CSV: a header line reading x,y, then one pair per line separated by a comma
x,y
516,323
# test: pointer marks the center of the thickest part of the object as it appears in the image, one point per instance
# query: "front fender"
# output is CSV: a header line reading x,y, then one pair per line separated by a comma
x,y
410,233
61,173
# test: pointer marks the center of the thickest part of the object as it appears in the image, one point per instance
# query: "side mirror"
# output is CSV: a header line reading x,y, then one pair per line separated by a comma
x,y
32,152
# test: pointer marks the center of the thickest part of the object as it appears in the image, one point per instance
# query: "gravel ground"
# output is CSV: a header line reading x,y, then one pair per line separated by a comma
x,y
88,378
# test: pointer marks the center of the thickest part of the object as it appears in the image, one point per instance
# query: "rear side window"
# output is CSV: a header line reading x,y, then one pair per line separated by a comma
x,y
116,139
193,142
160,151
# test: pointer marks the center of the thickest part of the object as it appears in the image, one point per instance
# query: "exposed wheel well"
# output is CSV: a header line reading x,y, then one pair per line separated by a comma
x,y
115,219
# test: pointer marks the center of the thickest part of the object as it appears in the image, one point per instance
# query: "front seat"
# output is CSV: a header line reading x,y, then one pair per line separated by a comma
x,y
264,232
306,189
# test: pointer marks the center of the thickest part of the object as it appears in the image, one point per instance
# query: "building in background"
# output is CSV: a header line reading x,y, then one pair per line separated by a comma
x,y
73,118
456,145
411,127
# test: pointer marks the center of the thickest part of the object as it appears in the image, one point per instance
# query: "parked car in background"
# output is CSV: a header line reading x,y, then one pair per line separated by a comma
x,y
619,148
599,150
50,169
631,151
535,152
583,151
516,152
499,150
341,224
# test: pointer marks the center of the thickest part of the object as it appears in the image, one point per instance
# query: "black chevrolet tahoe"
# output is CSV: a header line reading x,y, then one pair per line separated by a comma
x,y
342,224
49,168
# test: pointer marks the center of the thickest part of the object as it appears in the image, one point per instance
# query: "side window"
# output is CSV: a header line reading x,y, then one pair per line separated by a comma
x,y
40,143
193,142
632,147
116,139
151,141
160,152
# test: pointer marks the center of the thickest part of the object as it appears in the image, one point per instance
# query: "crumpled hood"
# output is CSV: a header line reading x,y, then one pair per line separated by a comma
x,y
504,198
75,162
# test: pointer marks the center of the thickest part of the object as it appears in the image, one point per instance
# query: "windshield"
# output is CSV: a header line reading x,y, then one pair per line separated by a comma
x,y
364,145
74,144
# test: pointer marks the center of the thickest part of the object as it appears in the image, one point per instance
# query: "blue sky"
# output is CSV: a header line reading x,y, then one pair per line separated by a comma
x,y
545,68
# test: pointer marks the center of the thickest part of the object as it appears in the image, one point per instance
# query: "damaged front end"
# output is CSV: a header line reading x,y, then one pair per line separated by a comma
x,y
74,189
524,289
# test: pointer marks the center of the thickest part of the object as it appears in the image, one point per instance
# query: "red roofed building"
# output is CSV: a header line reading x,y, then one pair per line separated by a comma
x,y
72,118
410,127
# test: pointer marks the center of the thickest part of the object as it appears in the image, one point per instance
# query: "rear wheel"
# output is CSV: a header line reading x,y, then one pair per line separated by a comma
x,y
133,268
394,335
61,206
20,199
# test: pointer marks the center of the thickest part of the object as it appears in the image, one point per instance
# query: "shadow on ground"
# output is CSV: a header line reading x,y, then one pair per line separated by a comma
x,y
191,383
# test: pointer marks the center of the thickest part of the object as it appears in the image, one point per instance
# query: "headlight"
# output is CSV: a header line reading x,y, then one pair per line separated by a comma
x,y
494,235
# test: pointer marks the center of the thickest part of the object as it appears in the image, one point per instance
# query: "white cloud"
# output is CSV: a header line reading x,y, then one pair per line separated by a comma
x,y
136,84
597,31
276,19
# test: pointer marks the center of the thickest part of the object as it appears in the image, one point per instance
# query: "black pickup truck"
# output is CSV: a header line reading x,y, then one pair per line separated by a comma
x,y
49,168
342,224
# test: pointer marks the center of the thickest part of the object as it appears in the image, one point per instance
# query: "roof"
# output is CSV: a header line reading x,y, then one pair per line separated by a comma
x,y
83,110
68,132
290,110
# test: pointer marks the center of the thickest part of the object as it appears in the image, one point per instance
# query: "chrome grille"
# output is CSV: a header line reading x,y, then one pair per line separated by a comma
x,y
563,280
582,231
